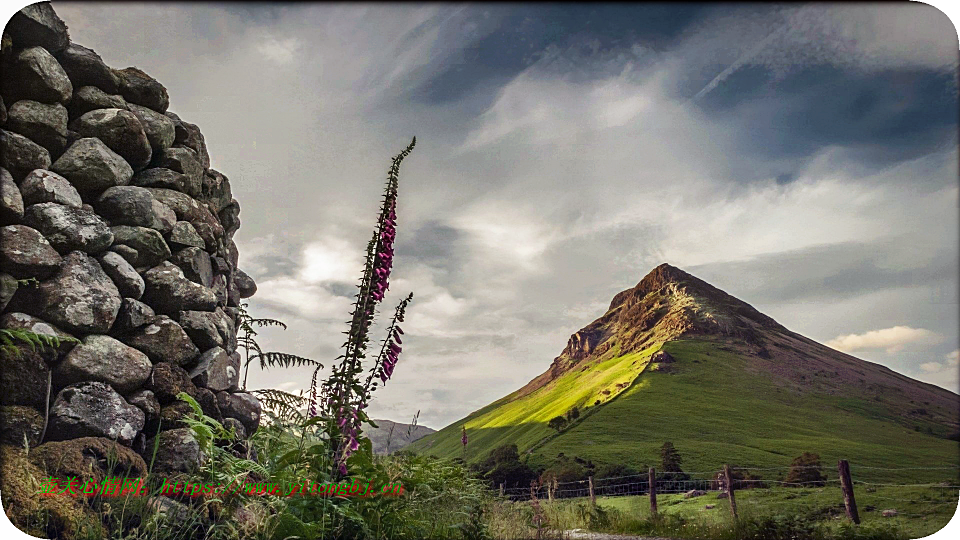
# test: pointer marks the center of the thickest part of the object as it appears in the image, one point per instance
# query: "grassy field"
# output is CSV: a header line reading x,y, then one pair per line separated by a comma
x,y
921,511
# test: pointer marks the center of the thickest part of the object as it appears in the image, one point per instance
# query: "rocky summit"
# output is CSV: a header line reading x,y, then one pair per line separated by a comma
x,y
108,201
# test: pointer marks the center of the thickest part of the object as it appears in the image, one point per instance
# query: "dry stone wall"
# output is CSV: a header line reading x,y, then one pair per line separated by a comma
x,y
108,199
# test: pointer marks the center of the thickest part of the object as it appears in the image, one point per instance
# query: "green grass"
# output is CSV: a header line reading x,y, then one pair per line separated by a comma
x,y
715,406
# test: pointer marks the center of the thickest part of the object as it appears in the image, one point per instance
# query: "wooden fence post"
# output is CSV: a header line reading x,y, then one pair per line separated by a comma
x,y
501,489
653,491
729,480
846,484
593,498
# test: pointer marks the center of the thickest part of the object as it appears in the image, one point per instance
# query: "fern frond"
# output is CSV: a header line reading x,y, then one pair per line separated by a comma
x,y
279,359
285,404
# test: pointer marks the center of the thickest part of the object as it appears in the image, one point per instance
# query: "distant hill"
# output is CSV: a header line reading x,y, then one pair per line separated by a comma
x,y
737,387
394,435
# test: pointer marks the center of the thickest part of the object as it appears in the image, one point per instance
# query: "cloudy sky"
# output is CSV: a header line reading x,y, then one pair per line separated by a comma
x,y
802,158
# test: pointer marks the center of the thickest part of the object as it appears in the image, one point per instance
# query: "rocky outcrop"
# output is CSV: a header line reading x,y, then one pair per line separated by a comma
x,y
107,199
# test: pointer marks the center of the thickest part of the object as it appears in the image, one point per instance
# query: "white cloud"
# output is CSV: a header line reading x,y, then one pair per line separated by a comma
x,y
330,258
931,367
953,358
280,51
892,339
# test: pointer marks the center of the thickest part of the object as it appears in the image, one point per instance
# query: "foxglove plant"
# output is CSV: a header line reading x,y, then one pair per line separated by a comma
x,y
342,397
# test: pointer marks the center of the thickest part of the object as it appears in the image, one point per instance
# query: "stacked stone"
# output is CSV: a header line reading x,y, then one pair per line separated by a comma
x,y
108,199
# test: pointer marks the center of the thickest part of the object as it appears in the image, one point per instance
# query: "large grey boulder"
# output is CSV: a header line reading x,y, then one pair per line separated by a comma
x,y
80,297
11,201
188,209
68,228
92,166
166,218
186,162
188,135
230,218
163,340
196,265
217,370
177,452
129,205
120,130
142,89
35,74
149,245
45,124
205,328
159,177
84,67
159,128
242,406
20,155
183,235
37,24
169,292
132,315
124,276
25,253
103,358
146,401
42,186
93,409
90,98
168,380
215,190
245,284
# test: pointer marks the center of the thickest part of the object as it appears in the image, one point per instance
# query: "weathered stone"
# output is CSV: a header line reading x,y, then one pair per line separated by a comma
x,y
242,406
233,293
88,457
220,265
170,510
184,235
35,74
11,202
185,161
120,130
245,284
167,381
204,328
23,378
132,315
177,451
38,25
150,247
159,177
103,358
22,321
142,89
230,218
128,205
236,426
221,290
92,166
127,280
93,409
3,112
42,123
84,67
216,190
662,357
195,263
207,400
91,98
68,228
160,129
42,186
163,340
171,417
128,253
147,402
25,253
8,287
188,135
80,297
20,155
20,425
166,218
169,292
217,370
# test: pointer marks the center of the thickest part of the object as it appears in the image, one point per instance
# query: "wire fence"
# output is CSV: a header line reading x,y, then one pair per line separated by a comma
x,y
885,492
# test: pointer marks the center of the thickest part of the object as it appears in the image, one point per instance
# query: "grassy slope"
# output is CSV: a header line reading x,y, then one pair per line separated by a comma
x,y
715,407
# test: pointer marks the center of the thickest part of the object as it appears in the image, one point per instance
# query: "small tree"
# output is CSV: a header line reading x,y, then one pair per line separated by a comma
x,y
573,414
670,459
557,423
805,470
